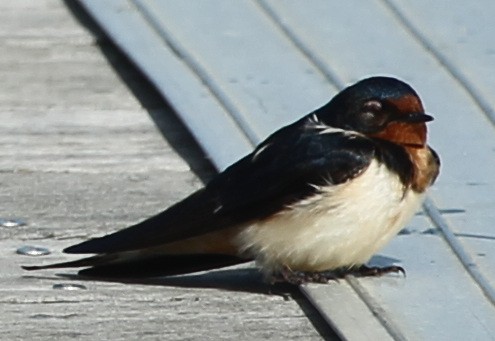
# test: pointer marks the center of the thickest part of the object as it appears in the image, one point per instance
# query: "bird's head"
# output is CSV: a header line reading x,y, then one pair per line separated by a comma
x,y
379,107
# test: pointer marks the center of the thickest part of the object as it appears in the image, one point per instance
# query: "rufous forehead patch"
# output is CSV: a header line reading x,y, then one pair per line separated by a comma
x,y
407,104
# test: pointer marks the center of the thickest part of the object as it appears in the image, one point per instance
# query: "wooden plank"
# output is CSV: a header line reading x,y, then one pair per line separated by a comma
x,y
460,36
82,155
256,83
352,320
437,299
202,113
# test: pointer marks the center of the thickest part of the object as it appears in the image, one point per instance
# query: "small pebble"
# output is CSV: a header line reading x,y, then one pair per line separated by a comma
x,y
11,222
28,250
68,286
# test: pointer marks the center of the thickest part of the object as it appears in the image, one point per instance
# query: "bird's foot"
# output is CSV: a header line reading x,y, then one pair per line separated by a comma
x,y
286,274
375,271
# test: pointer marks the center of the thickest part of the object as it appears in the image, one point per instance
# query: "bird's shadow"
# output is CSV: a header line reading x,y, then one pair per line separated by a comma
x,y
248,280
245,279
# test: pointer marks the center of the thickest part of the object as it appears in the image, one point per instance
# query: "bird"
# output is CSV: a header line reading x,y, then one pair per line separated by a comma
x,y
316,198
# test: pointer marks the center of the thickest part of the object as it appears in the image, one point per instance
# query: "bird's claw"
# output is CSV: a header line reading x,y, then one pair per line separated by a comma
x,y
286,274
375,271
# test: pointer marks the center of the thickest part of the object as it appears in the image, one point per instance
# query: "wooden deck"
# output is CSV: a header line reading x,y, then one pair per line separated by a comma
x,y
87,146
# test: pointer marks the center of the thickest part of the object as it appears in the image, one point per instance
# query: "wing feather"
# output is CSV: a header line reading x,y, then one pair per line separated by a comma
x,y
283,169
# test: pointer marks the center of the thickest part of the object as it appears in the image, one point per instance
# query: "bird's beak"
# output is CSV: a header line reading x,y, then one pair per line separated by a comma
x,y
415,117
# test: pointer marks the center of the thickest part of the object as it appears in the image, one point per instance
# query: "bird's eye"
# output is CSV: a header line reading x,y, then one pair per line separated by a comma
x,y
372,105
371,116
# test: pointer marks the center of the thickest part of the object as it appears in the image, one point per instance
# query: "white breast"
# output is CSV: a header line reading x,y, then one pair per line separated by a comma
x,y
343,226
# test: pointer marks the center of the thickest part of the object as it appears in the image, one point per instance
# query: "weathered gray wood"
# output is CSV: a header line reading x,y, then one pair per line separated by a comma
x,y
352,320
79,157
255,57
460,36
204,108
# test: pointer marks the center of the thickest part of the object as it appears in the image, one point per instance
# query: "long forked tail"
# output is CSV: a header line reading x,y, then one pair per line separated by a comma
x,y
113,266
84,262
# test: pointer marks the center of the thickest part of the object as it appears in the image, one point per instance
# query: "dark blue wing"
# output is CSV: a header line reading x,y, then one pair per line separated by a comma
x,y
281,171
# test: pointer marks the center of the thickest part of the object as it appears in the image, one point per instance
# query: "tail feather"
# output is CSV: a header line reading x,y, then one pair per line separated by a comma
x,y
162,266
84,262
110,266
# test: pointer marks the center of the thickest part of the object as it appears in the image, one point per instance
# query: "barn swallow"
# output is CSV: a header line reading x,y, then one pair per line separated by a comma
x,y
318,196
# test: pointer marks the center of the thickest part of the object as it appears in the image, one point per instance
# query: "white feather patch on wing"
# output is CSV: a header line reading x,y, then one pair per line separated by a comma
x,y
259,150
341,226
314,122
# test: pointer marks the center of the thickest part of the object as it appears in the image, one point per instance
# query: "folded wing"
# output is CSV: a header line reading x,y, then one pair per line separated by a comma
x,y
281,171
